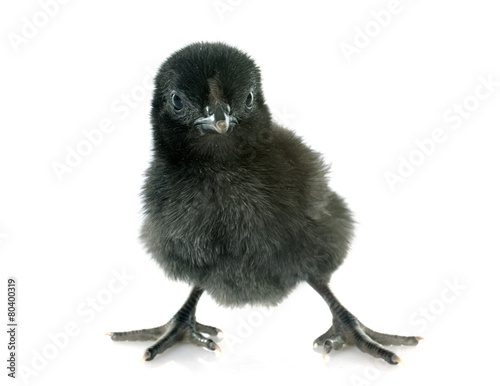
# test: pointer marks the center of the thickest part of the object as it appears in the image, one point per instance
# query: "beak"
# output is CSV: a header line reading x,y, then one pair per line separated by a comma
x,y
219,121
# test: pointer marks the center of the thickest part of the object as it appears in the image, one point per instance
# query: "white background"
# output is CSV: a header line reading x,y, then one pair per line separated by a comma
x,y
66,239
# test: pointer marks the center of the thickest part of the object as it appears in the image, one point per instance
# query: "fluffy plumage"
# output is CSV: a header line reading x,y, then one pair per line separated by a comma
x,y
248,214
237,205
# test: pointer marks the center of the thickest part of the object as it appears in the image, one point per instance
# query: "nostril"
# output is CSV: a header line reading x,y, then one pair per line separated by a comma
x,y
208,111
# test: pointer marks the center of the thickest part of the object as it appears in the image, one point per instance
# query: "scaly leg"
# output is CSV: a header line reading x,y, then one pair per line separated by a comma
x,y
347,329
183,327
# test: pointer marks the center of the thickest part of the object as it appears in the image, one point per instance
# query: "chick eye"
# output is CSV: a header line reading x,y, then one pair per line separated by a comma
x,y
249,101
177,101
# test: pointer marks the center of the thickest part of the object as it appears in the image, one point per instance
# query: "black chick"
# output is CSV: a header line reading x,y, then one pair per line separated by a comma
x,y
236,205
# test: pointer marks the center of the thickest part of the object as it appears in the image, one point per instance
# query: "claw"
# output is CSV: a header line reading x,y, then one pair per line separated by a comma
x,y
220,333
327,347
419,338
145,357
109,333
215,347
397,359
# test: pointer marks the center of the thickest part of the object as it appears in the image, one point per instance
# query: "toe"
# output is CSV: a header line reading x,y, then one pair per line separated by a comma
x,y
199,340
357,336
137,335
162,344
392,340
367,345
212,331
131,336
321,340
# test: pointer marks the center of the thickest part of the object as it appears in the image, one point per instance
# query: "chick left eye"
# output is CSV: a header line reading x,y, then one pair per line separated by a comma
x,y
249,101
177,102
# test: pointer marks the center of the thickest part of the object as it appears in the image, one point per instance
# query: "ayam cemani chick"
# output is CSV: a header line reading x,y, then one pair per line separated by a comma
x,y
238,206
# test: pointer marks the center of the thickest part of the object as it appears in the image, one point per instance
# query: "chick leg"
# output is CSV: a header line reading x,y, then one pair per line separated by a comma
x,y
348,330
183,327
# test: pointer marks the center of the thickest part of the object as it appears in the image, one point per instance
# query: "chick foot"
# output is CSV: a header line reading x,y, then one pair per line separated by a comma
x,y
348,330
353,332
183,327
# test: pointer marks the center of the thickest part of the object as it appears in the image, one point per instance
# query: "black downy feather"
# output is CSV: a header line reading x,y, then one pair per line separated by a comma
x,y
248,214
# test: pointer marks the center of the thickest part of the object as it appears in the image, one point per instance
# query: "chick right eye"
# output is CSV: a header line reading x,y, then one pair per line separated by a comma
x,y
177,102
249,100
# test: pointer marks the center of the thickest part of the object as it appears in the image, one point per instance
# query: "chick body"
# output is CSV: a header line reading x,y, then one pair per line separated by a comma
x,y
247,232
